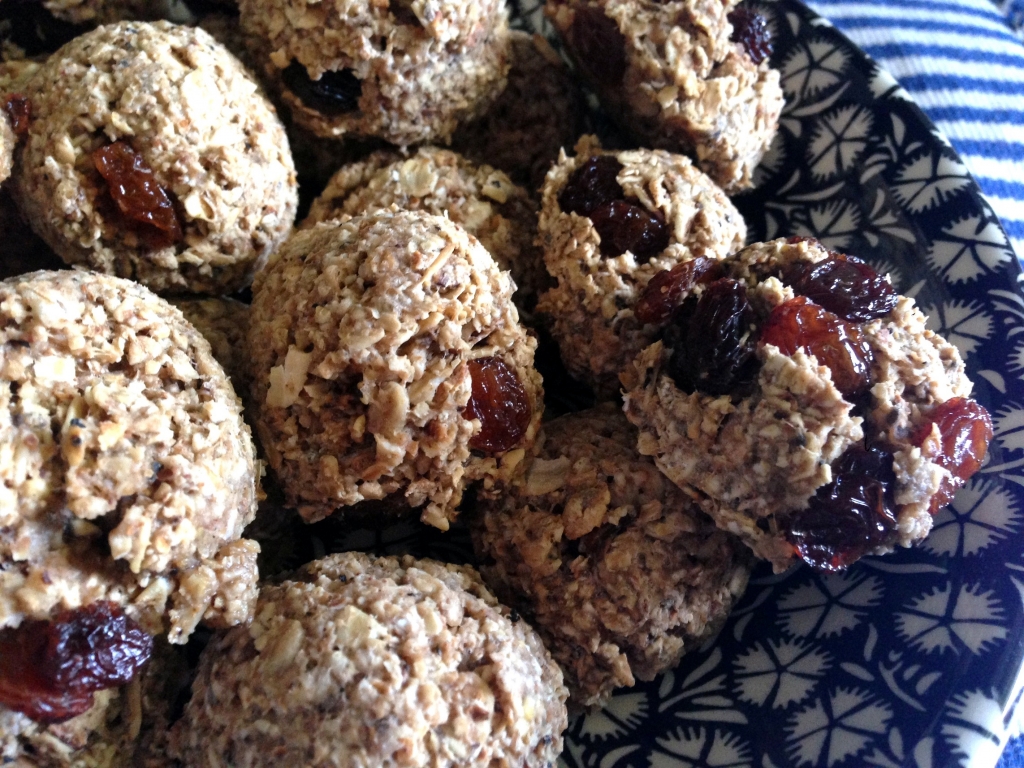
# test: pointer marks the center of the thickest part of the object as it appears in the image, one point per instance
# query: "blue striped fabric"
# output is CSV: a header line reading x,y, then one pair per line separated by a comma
x,y
963,62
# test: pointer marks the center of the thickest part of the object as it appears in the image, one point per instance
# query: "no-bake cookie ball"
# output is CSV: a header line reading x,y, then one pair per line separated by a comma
x,y
805,403
126,472
152,154
538,113
359,662
388,358
609,222
689,76
616,567
406,72
479,198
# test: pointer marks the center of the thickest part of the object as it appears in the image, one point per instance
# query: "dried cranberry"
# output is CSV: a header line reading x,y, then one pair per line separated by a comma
x,y
965,428
714,353
138,197
842,522
845,286
750,29
19,110
500,403
592,185
598,46
669,287
838,345
335,93
50,669
625,226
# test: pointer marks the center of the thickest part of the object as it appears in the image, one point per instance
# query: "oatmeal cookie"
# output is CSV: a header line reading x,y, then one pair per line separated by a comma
x,y
126,471
363,662
124,728
405,72
674,74
609,221
539,112
7,142
167,115
482,200
223,322
388,358
805,403
617,568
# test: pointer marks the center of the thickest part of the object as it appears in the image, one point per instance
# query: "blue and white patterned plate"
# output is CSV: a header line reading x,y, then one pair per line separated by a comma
x,y
909,660
913,659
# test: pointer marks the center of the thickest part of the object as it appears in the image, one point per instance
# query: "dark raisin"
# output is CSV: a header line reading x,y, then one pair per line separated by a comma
x,y
874,461
625,226
845,286
843,521
598,46
838,345
592,185
403,12
500,403
715,350
750,29
668,288
137,195
50,669
965,428
19,110
335,93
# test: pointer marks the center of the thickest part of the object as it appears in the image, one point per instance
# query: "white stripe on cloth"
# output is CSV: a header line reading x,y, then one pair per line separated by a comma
x,y
906,66
976,130
870,11
993,168
957,97
899,34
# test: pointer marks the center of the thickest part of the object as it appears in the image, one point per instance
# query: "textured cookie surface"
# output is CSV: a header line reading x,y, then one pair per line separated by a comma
x,y
406,72
188,112
364,662
616,567
591,307
126,472
671,74
758,455
481,199
363,335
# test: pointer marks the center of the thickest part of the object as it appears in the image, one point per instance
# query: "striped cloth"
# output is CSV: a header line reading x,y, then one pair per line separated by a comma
x,y
963,62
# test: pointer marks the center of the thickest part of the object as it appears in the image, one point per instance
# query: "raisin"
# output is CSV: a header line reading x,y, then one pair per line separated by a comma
x,y
598,46
19,110
714,353
50,669
750,29
625,226
838,345
146,205
965,428
335,93
500,403
842,522
668,288
845,286
403,12
592,185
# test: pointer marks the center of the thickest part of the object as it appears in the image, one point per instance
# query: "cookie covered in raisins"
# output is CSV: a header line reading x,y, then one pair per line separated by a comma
x,y
806,404
609,222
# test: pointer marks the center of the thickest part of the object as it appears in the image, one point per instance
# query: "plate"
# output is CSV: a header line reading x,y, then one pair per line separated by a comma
x,y
912,659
